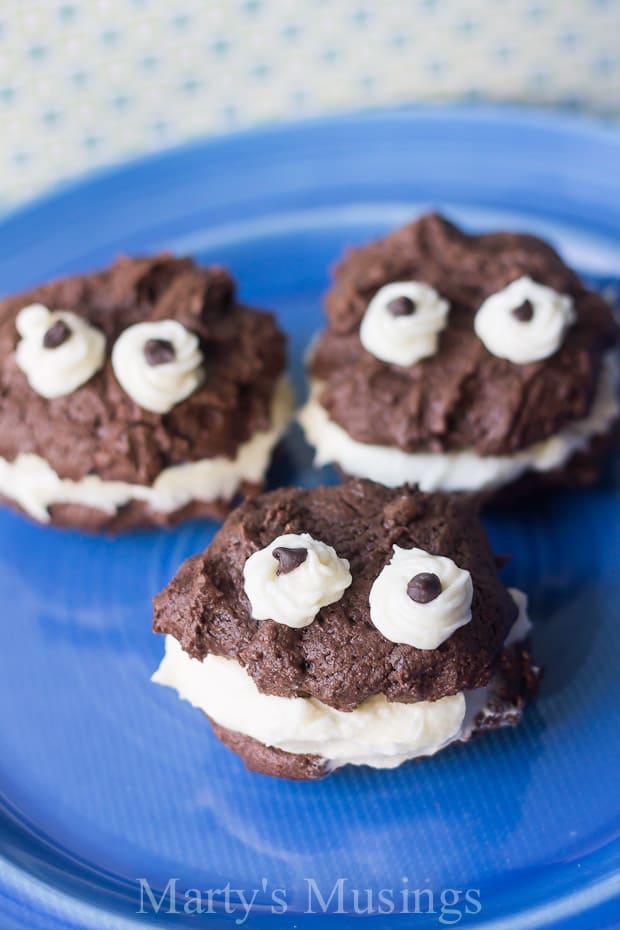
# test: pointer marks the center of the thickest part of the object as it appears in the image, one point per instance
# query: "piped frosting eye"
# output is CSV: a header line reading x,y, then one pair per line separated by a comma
x,y
403,321
58,350
524,322
158,364
293,578
420,599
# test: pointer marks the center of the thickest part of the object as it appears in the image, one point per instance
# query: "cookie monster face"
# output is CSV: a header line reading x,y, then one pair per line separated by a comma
x,y
351,624
136,395
459,362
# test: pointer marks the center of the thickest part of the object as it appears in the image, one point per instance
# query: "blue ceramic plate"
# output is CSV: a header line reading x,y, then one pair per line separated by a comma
x,y
106,779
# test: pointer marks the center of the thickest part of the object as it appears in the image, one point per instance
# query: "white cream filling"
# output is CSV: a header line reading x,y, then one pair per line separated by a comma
x,y
32,483
456,471
379,733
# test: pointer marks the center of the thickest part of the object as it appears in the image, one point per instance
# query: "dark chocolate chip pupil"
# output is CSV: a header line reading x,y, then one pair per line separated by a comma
x,y
524,312
58,333
289,558
424,587
401,306
159,351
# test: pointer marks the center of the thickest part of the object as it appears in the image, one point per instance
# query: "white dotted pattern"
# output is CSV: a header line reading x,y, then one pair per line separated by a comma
x,y
84,83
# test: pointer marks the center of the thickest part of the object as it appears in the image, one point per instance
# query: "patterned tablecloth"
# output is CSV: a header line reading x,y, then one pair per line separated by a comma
x,y
85,83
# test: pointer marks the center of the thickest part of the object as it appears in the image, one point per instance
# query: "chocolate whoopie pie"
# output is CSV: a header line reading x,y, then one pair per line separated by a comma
x,y
137,395
355,624
462,363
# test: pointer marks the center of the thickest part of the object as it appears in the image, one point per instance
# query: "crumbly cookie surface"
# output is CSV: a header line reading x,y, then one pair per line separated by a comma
x,y
341,658
462,397
97,428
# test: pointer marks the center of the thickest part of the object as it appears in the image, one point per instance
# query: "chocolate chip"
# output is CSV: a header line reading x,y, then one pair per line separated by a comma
x,y
289,558
524,312
159,352
401,306
424,587
58,333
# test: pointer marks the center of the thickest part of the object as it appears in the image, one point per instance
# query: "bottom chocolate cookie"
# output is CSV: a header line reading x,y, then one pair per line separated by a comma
x,y
267,760
514,686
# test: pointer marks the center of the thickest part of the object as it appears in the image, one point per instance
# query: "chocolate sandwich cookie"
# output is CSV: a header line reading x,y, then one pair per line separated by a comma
x,y
462,363
137,395
354,624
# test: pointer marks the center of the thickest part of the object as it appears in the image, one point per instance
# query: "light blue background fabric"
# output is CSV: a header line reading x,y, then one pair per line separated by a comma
x,y
85,83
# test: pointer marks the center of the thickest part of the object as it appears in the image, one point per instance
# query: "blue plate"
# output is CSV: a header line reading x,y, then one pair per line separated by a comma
x,y
107,779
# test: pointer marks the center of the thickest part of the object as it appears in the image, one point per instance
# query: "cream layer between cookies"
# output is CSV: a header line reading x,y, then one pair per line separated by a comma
x,y
31,482
379,733
456,471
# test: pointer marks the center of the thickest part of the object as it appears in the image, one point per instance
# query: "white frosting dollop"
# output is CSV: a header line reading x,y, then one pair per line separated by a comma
x,y
295,597
55,372
464,470
158,388
523,341
404,340
403,620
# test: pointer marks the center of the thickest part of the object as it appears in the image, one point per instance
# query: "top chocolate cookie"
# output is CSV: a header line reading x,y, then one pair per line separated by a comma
x,y
307,637
459,362
138,394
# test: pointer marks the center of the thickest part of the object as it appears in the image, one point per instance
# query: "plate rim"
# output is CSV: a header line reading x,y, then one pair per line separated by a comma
x,y
605,130
601,130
